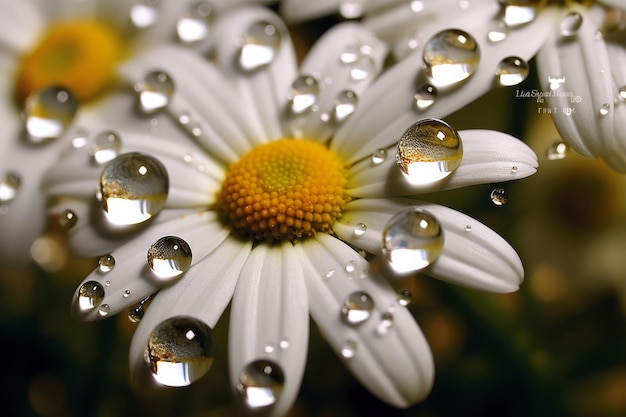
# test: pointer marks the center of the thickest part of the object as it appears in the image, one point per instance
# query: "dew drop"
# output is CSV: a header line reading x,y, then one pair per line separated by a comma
x,y
425,97
106,263
412,240
512,71
557,150
520,12
9,186
429,151
605,109
260,46
386,323
104,310
497,32
363,68
90,295
499,196
179,351
195,25
468,228
284,344
144,14
48,113
330,273
357,307
451,56
155,92
344,105
379,156
260,383
107,283
106,147
404,298
68,219
350,54
136,313
348,350
351,9
622,92
360,229
514,169
133,188
269,348
570,24
79,139
303,94
169,258
126,293
350,267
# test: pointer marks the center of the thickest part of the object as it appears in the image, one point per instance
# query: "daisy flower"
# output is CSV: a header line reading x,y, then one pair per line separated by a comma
x,y
55,55
580,53
283,195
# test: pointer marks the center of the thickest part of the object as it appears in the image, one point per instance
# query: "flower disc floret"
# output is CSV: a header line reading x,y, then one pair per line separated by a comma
x,y
284,190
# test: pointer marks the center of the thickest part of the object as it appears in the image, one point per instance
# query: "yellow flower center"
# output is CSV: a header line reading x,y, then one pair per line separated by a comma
x,y
284,190
78,55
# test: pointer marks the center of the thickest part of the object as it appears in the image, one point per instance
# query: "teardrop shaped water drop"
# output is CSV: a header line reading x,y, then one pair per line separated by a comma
x,y
260,46
451,56
520,12
557,150
106,147
425,97
106,263
10,185
357,307
348,350
169,258
379,156
570,24
195,25
512,71
499,196
133,188
260,383
68,219
48,113
344,105
144,14
605,109
180,351
429,151
155,92
136,313
303,94
412,240
90,295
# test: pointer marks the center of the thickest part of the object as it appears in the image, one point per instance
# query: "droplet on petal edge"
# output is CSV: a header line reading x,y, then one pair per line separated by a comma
x,y
260,383
425,97
570,24
499,196
90,295
48,113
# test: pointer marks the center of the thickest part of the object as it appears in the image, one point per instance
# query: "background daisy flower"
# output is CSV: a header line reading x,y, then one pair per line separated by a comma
x,y
283,198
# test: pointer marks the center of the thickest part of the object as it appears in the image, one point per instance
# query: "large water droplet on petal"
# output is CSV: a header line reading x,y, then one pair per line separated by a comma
x,y
344,105
90,295
357,307
155,92
180,351
9,186
451,56
169,258
511,71
133,188
303,94
499,196
195,25
412,240
260,46
425,97
261,383
570,24
144,14
429,151
520,12
106,147
48,112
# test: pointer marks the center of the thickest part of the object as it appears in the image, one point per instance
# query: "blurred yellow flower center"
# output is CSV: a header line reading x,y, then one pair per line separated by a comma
x,y
78,55
284,190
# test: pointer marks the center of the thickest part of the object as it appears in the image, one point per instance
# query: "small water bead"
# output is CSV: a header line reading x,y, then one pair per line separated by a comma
x,y
512,71
90,295
9,186
107,283
520,12
622,92
417,6
48,113
363,68
144,14
451,56
155,92
269,348
497,32
386,323
412,240
468,228
351,9
330,273
348,350
557,150
169,258
126,293
135,314
379,156
425,97
570,24
429,151
260,46
405,297
350,54
80,138
357,307
360,229
344,105
284,344
68,219
106,263
133,188
104,310
605,109
106,146
303,94
350,267
260,383
499,196
195,25
180,351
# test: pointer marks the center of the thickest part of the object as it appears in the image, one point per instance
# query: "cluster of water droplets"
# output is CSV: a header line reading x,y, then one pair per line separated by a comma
x,y
48,113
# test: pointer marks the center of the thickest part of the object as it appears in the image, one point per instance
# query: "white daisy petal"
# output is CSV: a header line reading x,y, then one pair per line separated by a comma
x,y
202,294
21,24
269,322
488,156
473,255
386,351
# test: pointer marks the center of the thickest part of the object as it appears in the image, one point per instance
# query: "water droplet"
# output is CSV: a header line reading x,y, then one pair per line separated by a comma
x,y
363,68
404,298
68,219
269,348
386,323
179,351
557,150
155,92
514,169
605,109
126,293
425,97
512,71
133,188
283,344
520,12
9,186
570,24
48,112
379,156
79,139
357,307
330,273
194,26
499,196
260,46
303,94
345,104
106,263
90,295
429,151
350,54
498,32
107,283
104,310
412,240
417,6
106,147
351,9
261,383
348,350
135,314
350,267
169,258
360,229
622,92
451,56
144,14
468,228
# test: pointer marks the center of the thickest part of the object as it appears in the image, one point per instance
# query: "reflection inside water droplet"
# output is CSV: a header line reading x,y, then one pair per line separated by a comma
x,y
348,350
48,113
357,307
499,196
260,46
169,258
261,383
404,298
451,56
